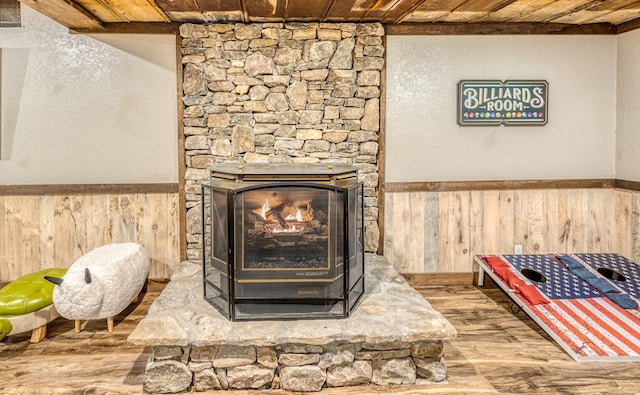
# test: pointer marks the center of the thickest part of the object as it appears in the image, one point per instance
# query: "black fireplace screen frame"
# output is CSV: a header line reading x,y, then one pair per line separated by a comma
x,y
219,277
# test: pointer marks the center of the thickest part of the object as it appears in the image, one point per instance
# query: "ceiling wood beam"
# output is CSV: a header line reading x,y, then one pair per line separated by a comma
x,y
628,26
132,28
65,12
453,28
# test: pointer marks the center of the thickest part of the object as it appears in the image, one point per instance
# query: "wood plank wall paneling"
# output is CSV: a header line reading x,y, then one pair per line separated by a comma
x,y
427,232
53,230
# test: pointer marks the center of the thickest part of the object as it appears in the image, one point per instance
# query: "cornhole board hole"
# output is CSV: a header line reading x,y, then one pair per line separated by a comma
x,y
580,317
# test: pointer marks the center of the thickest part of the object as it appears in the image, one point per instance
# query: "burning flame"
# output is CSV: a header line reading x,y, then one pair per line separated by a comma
x,y
295,221
265,209
298,215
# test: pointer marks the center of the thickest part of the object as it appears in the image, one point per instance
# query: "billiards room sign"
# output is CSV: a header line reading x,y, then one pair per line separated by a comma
x,y
509,103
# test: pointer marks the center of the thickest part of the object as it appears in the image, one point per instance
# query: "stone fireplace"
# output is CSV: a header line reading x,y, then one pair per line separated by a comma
x,y
267,93
283,241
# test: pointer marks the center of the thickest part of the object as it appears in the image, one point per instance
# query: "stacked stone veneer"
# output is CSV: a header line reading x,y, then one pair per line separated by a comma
x,y
293,367
273,92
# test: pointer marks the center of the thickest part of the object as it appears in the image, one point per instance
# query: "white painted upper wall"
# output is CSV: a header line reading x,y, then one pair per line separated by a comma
x,y
425,143
628,107
82,109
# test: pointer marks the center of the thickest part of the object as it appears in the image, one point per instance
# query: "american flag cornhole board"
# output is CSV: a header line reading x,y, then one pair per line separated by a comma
x,y
587,321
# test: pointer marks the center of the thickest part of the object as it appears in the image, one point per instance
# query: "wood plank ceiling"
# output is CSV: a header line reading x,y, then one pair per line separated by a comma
x,y
608,16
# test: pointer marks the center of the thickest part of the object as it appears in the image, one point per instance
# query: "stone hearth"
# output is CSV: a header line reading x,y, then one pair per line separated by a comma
x,y
393,337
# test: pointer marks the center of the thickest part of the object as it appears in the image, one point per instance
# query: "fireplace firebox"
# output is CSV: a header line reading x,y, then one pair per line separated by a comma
x,y
283,241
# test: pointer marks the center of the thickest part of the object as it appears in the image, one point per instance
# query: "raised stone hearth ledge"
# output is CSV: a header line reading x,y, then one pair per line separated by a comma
x,y
394,336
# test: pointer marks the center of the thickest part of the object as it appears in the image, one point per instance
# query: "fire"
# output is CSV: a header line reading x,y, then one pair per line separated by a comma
x,y
285,218
298,215
265,209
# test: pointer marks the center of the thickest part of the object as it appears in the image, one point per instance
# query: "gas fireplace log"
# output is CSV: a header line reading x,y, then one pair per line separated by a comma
x,y
278,213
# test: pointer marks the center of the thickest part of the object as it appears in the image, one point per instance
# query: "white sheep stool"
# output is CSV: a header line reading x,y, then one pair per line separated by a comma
x,y
101,283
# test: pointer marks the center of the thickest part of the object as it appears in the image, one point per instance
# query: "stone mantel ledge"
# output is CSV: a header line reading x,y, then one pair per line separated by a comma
x,y
391,312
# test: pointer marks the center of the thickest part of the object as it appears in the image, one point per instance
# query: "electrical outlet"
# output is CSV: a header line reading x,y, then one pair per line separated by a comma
x,y
517,249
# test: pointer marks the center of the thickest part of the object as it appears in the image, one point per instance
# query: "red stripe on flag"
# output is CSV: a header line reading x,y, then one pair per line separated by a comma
x,y
630,323
579,332
541,308
611,335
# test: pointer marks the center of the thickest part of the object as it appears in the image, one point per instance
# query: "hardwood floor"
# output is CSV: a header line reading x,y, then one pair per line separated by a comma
x,y
495,352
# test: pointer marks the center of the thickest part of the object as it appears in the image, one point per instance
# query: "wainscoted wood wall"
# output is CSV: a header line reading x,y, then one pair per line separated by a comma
x,y
40,229
441,231
426,231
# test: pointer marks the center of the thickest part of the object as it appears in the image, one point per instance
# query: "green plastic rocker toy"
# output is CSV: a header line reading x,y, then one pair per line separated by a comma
x,y
26,304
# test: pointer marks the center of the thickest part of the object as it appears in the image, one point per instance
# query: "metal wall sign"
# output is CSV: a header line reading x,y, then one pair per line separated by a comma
x,y
495,102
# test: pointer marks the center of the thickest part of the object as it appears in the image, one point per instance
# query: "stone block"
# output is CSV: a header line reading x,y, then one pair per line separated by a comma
x,y
257,64
371,235
258,92
298,359
351,113
189,30
393,371
297,94
163,353
308,33
344,91
221,147
267,357
255,106
334,137
310,117
309,134
242,139
240,45
368,78
262,43
276,102
316,146
314,75
434,369
329,34
230,356
357,373
276,80
166,377
223,98
205,380
343,57
188,131
253,157
193,112
302,378
371,117
248,31
249,377
218,120
221,86
429,349
193,81
196,142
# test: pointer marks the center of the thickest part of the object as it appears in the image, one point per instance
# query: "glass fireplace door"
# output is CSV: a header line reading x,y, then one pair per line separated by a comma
x,y
288,248
282,249
215,225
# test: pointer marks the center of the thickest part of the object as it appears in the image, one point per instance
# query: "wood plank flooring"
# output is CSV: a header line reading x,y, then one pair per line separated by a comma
x,y
496,352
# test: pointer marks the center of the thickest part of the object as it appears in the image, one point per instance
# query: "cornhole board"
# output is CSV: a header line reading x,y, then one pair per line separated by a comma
x,y
578,317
